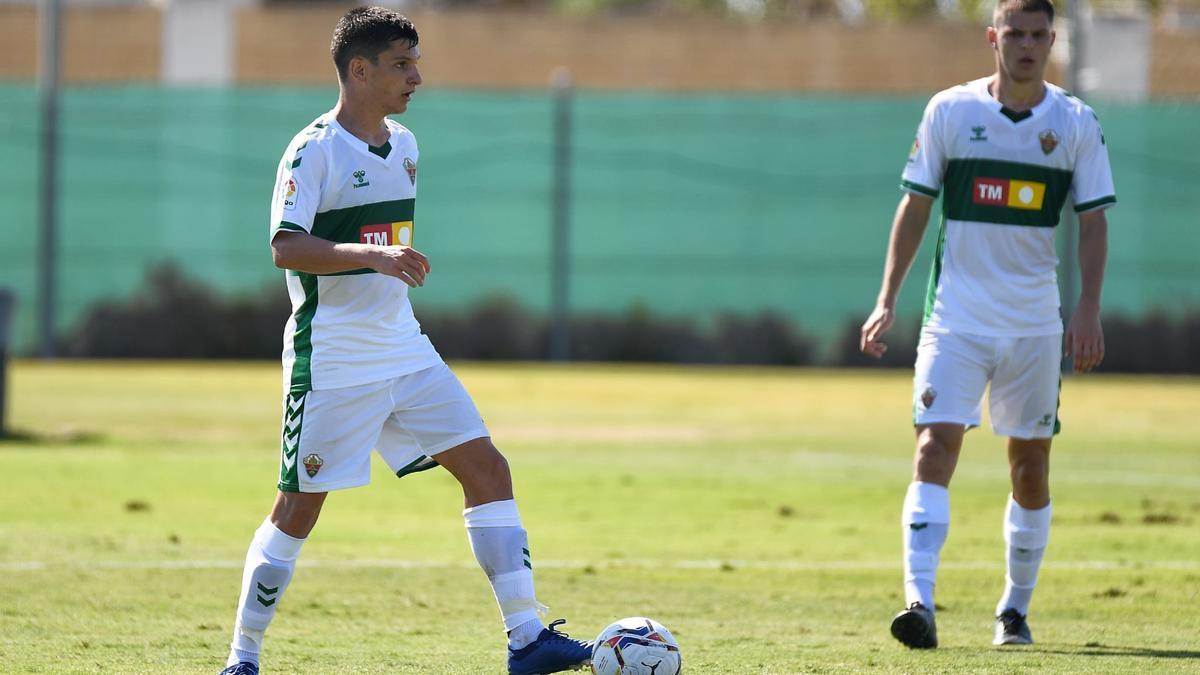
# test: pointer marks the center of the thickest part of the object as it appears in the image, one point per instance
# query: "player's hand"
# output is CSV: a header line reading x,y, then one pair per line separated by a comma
x,y
877,324
406,264
1085,338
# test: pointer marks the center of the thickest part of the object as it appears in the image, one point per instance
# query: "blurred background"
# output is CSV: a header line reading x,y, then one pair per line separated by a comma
x,y
645,180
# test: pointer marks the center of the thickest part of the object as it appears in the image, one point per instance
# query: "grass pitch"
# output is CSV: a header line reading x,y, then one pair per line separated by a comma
x,y
752,511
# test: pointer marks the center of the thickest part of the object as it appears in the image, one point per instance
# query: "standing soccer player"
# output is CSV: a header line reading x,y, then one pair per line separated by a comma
x,y
358,373
1008,150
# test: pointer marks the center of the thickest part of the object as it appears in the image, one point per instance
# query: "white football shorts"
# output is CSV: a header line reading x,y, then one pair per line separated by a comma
x,y
954,369
328,434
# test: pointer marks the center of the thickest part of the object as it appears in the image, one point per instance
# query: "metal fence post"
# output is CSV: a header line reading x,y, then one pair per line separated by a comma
x,y
7,301
560,228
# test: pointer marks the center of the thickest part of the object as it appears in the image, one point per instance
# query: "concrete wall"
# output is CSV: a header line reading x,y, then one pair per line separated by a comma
x,y
505,50
102,44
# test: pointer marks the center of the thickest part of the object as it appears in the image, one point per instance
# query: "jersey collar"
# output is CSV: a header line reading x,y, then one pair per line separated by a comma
x,y
361,145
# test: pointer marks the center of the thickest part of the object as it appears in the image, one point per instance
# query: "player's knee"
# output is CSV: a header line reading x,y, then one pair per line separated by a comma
x,y
1030,474
935,461
486,474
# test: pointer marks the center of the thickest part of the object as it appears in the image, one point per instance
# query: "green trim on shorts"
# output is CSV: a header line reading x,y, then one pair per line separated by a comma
x,y
289,450
1057,406
422,463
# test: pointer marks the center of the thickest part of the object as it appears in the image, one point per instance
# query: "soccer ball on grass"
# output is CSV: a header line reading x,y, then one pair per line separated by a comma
x,y
636,646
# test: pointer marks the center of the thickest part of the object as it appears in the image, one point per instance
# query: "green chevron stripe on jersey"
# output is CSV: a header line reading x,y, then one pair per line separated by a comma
x,y
342,225
293,422
959,187
935,275
302,340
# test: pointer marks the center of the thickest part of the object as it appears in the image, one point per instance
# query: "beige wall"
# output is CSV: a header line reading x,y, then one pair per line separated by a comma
x,y
1175,64
504,49
102,44
519,50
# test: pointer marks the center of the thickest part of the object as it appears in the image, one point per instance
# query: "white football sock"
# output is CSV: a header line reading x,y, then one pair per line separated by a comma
x,y
926,522
501,546
1026,534
270,562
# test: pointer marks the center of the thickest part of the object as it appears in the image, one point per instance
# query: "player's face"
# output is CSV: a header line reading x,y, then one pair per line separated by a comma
x,y
1022,42
394,76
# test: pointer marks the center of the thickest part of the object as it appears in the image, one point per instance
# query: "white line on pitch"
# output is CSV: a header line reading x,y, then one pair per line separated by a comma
x,y
798,565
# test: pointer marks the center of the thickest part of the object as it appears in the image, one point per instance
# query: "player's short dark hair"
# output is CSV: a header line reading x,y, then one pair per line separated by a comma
x,y
364,32
1046,6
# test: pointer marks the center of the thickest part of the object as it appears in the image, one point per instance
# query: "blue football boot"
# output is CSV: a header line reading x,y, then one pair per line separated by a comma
x,y
551,652
243,668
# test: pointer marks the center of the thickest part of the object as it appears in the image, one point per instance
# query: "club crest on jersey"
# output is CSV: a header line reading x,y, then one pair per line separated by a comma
x,y
289,194
411,167
928,397
360,179
1049,141
978,133
313,464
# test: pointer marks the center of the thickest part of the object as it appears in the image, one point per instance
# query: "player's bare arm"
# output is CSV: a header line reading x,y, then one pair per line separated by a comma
x,y
908,228
1084,337
304,252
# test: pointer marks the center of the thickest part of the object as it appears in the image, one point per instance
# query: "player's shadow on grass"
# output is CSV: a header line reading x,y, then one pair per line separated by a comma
x,y
1111,650
11,437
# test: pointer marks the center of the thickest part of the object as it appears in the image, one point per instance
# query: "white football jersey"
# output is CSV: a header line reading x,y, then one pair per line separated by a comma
x,y
352,327
1006,177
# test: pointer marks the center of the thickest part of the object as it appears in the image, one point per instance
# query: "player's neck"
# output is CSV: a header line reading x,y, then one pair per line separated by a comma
x,y
1016,96
362,122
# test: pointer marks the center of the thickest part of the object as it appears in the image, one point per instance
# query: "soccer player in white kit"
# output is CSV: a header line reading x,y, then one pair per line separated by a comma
x,y
1005,152
358,372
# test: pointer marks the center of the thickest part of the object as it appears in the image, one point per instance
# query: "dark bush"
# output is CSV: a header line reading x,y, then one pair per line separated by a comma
x,y
1155,343
901,341
175,317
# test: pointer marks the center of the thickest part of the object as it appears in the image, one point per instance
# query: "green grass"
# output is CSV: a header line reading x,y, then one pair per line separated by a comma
x,y
752,511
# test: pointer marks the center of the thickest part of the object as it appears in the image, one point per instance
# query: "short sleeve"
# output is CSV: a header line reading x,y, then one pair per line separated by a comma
x,y
297,189
1092,183
927,160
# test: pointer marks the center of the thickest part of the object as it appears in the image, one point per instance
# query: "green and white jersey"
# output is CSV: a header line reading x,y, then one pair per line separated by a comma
x,y
354,327
1006,177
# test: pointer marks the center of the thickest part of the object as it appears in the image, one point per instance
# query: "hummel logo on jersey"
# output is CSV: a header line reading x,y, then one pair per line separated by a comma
x,y
1015,194
1049,141
360,179
977,133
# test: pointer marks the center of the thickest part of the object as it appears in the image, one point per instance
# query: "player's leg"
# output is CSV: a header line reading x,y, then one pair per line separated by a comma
x,y
1026,535
327,440
951,374
1024,405
270,562
436,415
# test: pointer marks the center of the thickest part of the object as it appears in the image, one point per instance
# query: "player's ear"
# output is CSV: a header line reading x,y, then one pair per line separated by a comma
x,y
992,37
357,70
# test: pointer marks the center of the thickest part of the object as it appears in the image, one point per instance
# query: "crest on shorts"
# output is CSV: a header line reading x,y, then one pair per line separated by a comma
x,y
927,398
1049,141
313,464
411,167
